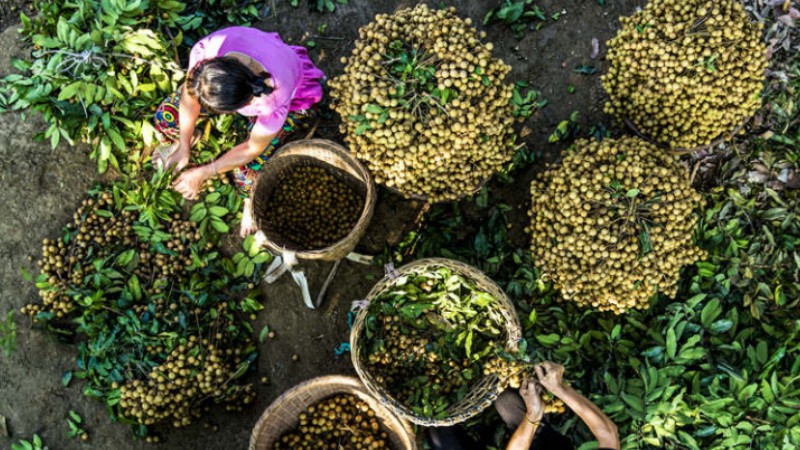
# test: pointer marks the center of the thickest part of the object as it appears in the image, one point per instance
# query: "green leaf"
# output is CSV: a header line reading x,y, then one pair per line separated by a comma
x,y
374,109
671,343
710,312
262,336
219,225
70,90
75,417
218,211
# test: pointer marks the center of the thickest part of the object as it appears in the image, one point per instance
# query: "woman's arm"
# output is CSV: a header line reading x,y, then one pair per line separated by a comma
x,y
523,437
188,112
551,377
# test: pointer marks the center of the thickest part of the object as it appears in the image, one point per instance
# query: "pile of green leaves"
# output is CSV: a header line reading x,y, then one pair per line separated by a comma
x,y
427,336
99,68
754,234
518,15
525,104
124,326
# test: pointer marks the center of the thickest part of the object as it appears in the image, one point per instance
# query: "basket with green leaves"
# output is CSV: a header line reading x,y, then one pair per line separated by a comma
x,y
422,341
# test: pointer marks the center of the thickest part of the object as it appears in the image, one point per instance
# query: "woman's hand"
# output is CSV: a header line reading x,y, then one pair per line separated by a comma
x,y
550,375
531,392
190,183
178,159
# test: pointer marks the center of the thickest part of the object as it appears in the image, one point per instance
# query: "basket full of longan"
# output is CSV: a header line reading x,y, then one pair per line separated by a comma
x,y
425,105
314,198
426,339
332,412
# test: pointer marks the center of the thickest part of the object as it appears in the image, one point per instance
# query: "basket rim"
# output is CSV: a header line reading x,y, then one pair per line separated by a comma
x,y
366,212
513,329
346,382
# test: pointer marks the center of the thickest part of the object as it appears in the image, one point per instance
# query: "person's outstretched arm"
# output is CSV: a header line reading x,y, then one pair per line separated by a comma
x,y
189,111
551,376
523,437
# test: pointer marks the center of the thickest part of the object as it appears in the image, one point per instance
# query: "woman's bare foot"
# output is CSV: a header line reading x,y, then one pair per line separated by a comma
x,y
248,220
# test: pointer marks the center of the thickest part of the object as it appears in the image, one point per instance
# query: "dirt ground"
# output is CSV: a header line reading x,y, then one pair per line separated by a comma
x,y
41,188
9,11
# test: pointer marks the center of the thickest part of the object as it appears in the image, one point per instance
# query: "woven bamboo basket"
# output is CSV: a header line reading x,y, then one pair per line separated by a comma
x,y
337,160
282,414
483,393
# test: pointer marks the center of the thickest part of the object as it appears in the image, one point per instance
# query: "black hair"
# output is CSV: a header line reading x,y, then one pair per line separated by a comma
x,y
224,84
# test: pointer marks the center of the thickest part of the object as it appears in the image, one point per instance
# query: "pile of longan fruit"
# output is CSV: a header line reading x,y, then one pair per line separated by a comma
x,y
100,230
312,207
336,423
436,148
193,371
613,224
686,72
512,375
180,379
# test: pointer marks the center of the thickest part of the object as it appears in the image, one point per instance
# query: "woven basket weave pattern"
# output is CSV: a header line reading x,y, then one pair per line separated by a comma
x,y
483,393
322,153
282,415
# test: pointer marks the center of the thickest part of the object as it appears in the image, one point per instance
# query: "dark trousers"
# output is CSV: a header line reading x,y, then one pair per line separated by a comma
x,y
512,409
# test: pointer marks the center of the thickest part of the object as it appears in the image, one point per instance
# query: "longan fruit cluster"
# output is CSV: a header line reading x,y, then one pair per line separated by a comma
x,y
98,231
312,207
512,374
686,72
341,422
412,137
613,224
192,372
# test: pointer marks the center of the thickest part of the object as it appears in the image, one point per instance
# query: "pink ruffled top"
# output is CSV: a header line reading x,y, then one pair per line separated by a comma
x,y
295,78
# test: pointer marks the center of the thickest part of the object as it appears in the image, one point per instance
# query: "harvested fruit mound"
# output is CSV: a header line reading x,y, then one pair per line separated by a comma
x,y
613,224
686,72
157,314
424,104
338,422
312,207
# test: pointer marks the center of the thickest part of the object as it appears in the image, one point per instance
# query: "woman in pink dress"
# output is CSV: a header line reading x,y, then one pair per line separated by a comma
x,y
249,72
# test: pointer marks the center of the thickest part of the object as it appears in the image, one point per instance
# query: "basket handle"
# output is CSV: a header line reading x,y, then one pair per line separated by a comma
x,y
286,262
